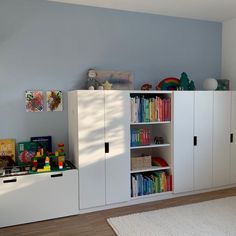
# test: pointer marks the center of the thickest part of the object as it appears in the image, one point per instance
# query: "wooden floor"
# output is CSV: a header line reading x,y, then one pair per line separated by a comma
x,y
95,223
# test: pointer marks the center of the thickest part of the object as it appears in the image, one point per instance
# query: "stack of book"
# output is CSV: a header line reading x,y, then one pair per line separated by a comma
x,y
154,109
150,183
140,137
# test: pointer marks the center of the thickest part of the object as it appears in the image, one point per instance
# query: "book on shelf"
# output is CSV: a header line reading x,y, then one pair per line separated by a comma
x,y
25,152
150,182
7,152
140,136
151,109
44,142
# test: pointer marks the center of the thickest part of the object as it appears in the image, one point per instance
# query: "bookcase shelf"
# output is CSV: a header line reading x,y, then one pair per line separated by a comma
x,y
153,168
150,123
150,140
151,146
152,195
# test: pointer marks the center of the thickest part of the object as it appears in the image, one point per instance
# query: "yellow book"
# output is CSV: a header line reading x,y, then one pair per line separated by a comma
x,y
8,148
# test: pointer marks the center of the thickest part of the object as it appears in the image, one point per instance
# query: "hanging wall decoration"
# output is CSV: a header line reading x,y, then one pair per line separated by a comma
x,y
54,100
34,101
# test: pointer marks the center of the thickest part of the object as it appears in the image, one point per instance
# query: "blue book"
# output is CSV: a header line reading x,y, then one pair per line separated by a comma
x,y
44,142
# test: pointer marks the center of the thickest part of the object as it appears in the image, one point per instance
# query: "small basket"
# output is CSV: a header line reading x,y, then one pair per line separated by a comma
x,y
138,163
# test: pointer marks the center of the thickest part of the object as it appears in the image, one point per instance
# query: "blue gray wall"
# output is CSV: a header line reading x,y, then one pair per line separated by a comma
x,y
47,45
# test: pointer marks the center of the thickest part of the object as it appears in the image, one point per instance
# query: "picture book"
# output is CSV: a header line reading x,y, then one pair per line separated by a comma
x,y
7,152
25,152
44,142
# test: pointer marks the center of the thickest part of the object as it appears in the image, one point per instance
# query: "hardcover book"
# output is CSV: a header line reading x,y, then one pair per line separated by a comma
x,y
7,152
25,152
44,142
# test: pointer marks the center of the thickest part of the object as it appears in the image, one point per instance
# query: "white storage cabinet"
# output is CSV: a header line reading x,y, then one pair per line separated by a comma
x,y
36,197
99,145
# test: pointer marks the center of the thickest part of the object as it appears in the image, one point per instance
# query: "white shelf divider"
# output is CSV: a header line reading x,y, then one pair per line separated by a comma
x,y
150,123
153,168
151,146
151,195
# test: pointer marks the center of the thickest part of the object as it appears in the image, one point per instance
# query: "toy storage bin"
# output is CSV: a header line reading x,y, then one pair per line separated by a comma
x,y
143,162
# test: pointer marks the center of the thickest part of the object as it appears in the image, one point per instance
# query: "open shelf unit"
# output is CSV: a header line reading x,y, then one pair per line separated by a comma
x,y
151,146
153,168
150,134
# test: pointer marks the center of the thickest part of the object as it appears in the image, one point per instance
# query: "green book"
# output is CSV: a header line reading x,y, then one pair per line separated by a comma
x,y
25,152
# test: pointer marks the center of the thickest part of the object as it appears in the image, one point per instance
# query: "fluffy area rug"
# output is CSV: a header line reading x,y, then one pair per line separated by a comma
x,y
210,218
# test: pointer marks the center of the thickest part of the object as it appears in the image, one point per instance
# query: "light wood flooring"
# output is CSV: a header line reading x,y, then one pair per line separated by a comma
x,y
95,223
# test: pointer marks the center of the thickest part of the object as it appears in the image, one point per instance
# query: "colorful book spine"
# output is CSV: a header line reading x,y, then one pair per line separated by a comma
x,y
150,182
150,109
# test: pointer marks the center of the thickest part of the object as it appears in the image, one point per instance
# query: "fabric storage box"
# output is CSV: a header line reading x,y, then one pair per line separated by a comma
x,y
147,162
143,162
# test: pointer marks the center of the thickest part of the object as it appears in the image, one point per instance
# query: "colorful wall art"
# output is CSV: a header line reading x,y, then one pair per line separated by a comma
x,y
34,101
54,100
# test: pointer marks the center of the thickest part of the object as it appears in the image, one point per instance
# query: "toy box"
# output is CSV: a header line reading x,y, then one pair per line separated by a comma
x,y
143,162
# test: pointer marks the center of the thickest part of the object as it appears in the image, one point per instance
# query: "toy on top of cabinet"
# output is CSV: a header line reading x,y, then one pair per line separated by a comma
x,y
92,83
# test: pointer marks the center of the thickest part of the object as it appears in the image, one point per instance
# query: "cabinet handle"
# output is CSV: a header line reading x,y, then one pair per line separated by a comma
x,y
106,147
9,181
195,140
56,175
231,138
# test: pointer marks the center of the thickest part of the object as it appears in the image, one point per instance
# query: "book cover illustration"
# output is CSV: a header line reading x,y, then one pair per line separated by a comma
x,y
54,100
34,101
7,152
25,150
44,142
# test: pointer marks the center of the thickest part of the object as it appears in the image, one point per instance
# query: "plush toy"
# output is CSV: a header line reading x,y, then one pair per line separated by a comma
x,y
92,83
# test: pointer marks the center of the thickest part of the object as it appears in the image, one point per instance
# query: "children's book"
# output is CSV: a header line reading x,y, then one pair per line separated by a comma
x,y
7,152
44,142
25,152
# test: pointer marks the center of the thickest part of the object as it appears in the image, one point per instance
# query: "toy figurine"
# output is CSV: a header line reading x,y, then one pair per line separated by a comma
x,y
146,87
185,83
46,167
60,155
34,163
107,85
92,83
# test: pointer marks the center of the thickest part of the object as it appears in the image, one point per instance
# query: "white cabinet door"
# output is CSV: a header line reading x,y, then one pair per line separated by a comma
x,y
91,148
30,198
183,141
117,137
221,138
203,117
233,142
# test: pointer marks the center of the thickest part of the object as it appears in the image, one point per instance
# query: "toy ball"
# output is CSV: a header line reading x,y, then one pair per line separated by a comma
x,y
210,84
146,87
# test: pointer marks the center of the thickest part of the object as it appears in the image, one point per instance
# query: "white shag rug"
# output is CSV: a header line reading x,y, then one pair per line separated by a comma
x,y
210,218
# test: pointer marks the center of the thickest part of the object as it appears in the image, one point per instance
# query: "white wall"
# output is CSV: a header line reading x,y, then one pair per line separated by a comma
x,y
229,52
48,45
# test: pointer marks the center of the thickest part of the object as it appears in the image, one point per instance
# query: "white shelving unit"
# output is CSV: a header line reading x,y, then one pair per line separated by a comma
x,y
157,128
153,168
151,146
